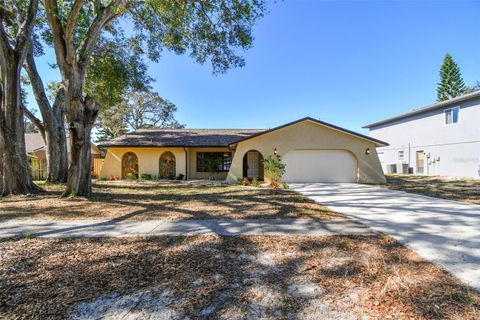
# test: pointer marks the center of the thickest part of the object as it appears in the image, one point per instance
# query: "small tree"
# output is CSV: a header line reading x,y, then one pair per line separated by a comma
x,y
274,169
212,164
451,84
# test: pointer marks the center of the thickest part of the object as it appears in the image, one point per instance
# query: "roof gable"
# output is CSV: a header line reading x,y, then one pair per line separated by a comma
x,y
377,142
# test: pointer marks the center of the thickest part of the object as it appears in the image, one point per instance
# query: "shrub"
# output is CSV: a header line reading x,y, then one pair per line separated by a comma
x,y
286,186
245,182
180,176
274,169
256,183
102,178
113,178
146,176
131,176
240,181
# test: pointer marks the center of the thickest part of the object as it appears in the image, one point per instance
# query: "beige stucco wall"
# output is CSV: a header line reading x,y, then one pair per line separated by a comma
x,y
148,160
308,135
192,164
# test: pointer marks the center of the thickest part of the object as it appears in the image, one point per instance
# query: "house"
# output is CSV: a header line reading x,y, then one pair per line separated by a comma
x,y
37,155
313,151
439,139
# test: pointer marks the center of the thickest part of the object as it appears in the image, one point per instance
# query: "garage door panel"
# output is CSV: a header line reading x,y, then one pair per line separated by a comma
x,y
320,166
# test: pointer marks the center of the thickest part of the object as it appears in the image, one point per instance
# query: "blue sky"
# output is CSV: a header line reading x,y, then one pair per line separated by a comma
x,y
345,62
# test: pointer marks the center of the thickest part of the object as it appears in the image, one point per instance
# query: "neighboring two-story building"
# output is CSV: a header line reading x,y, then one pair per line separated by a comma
x,y
439,139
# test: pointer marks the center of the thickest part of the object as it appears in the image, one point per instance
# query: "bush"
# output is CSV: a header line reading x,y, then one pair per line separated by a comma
x,y
146,176
180,176
131,176
245,182
286,186
240,181
256,183
274,169
102,178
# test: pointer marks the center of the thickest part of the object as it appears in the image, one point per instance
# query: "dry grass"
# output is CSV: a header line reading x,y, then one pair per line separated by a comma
x,y
123,200
227,277
466,190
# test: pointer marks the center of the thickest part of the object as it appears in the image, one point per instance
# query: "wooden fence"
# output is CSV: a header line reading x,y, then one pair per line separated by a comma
x,y
97,167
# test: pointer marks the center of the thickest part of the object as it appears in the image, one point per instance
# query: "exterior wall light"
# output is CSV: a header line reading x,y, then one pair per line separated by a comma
x,y
275,152
367,151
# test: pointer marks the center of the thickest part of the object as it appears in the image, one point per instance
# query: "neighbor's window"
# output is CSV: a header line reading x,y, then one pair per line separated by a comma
x,y
400,155
223,161
451,115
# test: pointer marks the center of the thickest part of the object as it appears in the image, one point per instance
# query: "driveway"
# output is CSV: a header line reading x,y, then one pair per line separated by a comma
x,y
442,231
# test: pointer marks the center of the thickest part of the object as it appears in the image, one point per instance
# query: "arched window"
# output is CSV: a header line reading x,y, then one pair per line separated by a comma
x,y
167,166
129,166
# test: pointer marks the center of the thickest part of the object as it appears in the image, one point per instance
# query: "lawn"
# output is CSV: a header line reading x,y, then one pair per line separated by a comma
x,y
213,277
124,200
465,190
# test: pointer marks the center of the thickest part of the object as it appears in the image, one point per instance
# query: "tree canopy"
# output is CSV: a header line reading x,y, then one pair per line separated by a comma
x,y
451,83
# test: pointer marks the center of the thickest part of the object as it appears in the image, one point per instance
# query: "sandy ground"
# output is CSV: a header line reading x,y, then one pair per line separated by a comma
x,y
214,277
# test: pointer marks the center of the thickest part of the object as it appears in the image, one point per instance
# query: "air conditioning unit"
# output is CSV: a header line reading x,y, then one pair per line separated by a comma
x,y
391,168
402,168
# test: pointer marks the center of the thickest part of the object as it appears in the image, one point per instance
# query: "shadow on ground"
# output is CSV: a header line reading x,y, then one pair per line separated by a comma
x,y
213,277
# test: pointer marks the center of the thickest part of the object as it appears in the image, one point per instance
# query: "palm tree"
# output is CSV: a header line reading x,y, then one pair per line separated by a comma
x,y
212,164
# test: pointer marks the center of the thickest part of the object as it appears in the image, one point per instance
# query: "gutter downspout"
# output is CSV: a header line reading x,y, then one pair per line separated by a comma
x,y
186,163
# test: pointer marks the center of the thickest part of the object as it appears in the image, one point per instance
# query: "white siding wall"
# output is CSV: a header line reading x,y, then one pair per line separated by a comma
x,y
457,145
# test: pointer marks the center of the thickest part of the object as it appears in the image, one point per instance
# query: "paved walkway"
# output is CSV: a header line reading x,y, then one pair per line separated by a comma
x,y
229,227
442,231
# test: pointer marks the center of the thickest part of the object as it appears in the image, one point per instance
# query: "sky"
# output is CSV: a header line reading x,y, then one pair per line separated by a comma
x,y
349,63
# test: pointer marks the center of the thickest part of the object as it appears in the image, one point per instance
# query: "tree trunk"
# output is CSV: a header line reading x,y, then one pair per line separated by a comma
x,y
15,177
81,113
53,124
57,158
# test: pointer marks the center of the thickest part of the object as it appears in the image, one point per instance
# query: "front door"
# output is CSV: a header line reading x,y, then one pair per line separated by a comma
x,y
252,164
420,162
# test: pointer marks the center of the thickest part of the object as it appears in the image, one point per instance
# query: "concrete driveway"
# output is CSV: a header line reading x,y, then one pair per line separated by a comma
x,y
442,231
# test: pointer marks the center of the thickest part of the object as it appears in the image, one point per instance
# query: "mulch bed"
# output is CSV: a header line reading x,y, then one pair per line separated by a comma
x,y
213,277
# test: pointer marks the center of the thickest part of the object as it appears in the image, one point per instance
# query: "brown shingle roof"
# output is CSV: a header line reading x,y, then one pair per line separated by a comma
x,y
33,141
181,138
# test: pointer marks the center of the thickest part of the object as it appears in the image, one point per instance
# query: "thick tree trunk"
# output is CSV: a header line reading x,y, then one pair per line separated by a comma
x,y
81,114
15,177
53,124
57,159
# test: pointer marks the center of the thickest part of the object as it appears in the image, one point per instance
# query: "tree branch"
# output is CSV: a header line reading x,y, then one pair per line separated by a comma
x,y
25,30
103,17
56,27
5,46
70,29
37,122
37,86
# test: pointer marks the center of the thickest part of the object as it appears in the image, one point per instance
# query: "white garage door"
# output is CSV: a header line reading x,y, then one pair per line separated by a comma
x,y
320,166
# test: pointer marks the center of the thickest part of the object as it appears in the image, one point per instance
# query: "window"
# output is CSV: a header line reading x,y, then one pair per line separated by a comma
x,y
222,160
400,155
452,115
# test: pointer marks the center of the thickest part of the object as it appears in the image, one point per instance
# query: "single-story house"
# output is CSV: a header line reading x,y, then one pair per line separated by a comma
x,y
313,151
37,154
